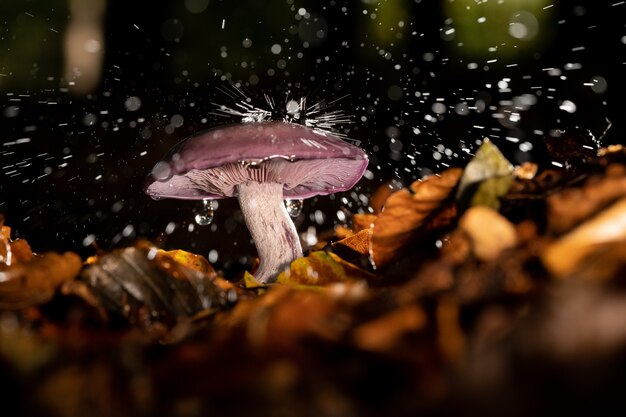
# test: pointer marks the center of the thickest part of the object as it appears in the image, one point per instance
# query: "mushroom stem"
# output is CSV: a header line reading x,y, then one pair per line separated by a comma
x,y
272,230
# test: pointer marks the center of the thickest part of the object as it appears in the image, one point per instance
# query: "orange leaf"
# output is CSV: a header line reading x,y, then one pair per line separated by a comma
x,y
404,213
35,281
363,221
383,334
358,242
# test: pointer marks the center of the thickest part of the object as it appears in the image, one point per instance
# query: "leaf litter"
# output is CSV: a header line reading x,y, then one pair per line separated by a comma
x,y
484,286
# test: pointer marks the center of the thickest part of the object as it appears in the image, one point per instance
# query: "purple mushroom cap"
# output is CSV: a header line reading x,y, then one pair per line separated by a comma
x,y
210,165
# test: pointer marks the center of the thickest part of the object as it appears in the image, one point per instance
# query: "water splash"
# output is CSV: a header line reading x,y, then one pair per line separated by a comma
x,y
319,115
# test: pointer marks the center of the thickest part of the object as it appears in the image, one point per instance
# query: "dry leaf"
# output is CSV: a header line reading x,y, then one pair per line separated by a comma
x,y
147,286
358,242
562,257
21,251
526,171
384,333
489,232
190,260
35,281
382,193
569,207
321,268
405,213
451,337
250,282
300,315
362,221
572,145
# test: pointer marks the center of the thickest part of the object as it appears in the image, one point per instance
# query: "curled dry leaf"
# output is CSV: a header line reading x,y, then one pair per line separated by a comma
x,y
406,211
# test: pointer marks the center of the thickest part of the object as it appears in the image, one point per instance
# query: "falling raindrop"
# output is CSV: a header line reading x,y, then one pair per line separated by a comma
x,y
205,216
294,207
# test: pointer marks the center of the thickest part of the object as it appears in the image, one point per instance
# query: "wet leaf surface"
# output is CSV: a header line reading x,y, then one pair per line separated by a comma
x,y
148,286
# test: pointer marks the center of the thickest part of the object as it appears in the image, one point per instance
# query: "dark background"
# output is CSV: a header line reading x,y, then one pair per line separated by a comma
x,y
419,97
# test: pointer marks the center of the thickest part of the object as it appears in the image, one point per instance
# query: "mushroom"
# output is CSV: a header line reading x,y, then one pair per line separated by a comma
x,y
261,164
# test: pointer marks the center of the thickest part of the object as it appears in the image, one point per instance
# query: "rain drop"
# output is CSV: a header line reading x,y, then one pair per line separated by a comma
x,y
132,103
11,111
162,171
294,207
90,119
205,216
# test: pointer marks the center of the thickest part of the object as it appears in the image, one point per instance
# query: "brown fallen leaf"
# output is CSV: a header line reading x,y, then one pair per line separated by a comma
x,y
283,318
358,242
301,315
21,251
380,195
406,211
563,256
384,333
363,221
489,232
450,335
35,282
573,205
148,287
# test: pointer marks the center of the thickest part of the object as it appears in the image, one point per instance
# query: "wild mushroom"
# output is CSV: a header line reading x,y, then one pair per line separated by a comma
x,y
261,164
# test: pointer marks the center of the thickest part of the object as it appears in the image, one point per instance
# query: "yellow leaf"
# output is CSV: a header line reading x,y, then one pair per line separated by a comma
x,y
190,260
320,268
250,282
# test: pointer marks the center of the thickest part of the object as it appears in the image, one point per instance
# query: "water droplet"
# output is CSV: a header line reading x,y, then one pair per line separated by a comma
x,y
162,171
294,207
205,216
132,103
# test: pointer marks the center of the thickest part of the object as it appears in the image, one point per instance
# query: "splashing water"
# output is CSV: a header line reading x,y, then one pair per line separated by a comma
x,y
295,110
205,216
294,207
